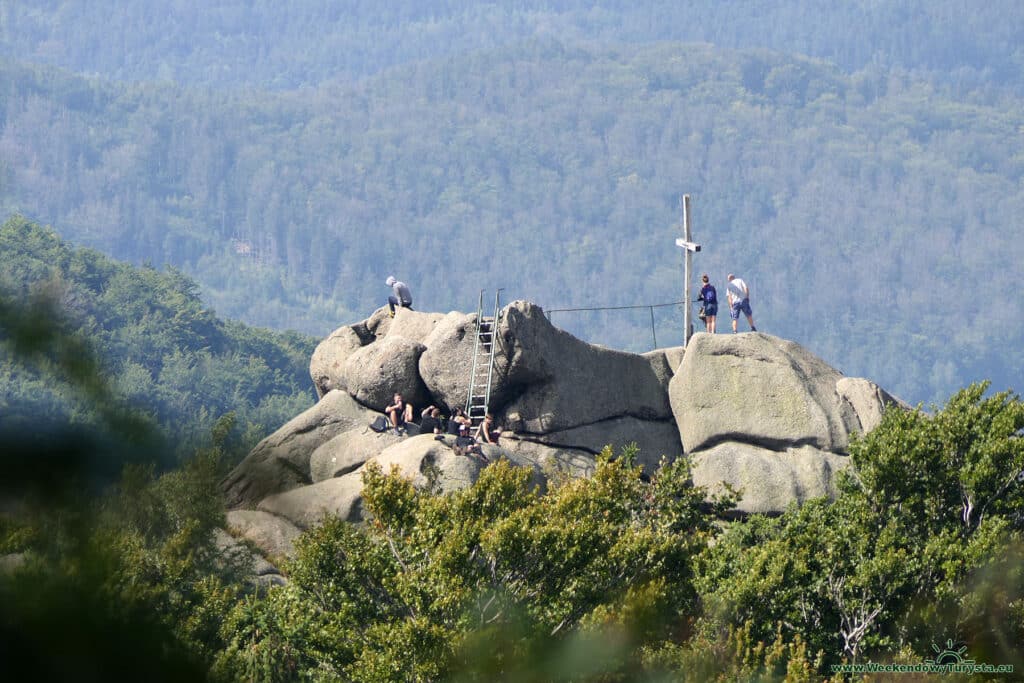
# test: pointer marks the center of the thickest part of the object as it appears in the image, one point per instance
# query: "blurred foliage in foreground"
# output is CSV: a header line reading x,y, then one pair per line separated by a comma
x,y
167,356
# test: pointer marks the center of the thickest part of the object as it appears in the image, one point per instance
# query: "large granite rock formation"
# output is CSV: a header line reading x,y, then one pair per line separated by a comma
x,y
445,363
760,413
281,461
768,480
429,463
374,373
306,506
328,361
273,535
758,389
868,400
348,451
768,417
559,382
654,439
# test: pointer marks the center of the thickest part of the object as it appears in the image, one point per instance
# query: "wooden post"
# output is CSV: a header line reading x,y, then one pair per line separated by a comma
x,y
688,308
686,243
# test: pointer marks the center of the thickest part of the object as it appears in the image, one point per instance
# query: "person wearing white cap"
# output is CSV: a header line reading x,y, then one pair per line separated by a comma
x,y
401,297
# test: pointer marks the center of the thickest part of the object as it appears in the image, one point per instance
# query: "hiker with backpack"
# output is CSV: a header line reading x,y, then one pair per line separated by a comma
x,y
709,303
401,295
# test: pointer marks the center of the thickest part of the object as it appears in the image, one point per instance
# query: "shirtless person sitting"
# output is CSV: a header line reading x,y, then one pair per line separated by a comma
x,y
399,412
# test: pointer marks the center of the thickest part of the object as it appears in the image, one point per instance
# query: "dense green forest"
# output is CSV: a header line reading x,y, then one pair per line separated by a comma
x,y
163,353
623,576
875,217
860,165
305,42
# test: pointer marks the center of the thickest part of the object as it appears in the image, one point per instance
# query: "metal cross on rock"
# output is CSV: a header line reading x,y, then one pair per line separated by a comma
x,y
687,243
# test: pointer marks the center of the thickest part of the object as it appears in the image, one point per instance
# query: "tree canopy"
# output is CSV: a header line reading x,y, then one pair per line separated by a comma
x,y
160,351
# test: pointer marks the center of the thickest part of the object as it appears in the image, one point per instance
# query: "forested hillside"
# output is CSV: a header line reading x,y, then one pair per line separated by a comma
x,y
165,354
274,45
876,217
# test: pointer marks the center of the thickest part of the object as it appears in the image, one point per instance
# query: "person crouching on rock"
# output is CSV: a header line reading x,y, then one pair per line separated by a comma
x,y
399,412
401,296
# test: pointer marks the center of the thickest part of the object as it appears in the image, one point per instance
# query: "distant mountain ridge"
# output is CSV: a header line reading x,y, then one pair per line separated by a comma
x,y
857,207
268,45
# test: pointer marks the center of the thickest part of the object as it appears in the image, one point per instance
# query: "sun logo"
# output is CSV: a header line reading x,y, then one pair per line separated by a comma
x,y
949,655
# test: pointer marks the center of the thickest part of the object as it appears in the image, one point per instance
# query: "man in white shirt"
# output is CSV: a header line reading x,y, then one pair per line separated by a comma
x,y
739,301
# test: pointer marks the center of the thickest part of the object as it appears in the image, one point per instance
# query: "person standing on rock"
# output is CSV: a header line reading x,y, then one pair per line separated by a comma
x,y
709,297
401,296
739,301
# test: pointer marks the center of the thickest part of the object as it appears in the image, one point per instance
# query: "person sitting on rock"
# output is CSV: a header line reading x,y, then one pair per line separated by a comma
x,y
430,420
487,432
399,412
464,443
457,420
401,296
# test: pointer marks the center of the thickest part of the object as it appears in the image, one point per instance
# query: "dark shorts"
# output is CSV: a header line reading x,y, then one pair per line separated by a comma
x,y
740,307
710,309
392,302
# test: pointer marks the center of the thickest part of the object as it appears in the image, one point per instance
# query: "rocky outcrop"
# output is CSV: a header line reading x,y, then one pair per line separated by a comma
x,y
281,461
758,412
758,389
325,367
868,401
665,362
273,535
306,506
431,464
348,451
766,416
328,361
413,325
261,573
444,365
768,481
561,382
546,460
374,373
653,438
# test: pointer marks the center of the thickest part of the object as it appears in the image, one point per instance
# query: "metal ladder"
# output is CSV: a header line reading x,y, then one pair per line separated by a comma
x,y
481,376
